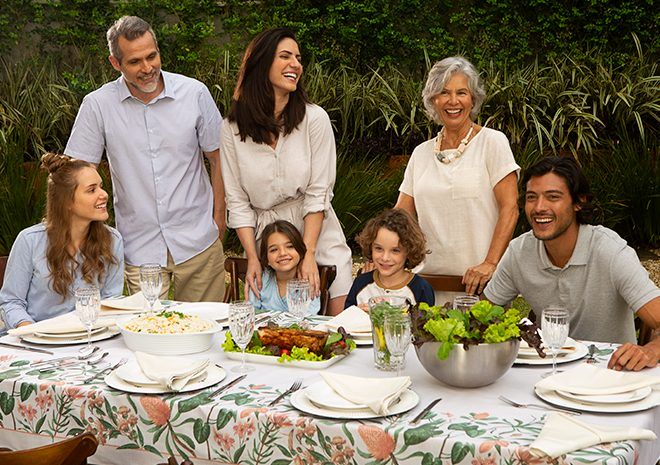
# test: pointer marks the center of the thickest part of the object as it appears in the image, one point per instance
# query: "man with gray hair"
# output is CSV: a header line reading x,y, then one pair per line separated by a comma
x,y
154,127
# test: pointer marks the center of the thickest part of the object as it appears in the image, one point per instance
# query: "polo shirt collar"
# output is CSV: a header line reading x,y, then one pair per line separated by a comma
x,y
580,252
168,90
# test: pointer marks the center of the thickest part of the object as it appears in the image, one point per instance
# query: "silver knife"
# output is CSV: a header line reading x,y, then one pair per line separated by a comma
x,y
425,411
31,349
227,386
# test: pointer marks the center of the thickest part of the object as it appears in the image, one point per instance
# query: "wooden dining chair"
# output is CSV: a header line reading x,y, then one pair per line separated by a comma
x,y
72,451
237,268
444,282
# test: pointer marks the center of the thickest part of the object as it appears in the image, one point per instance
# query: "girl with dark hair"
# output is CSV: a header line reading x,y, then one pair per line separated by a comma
x,y
71,248
279,162
281,250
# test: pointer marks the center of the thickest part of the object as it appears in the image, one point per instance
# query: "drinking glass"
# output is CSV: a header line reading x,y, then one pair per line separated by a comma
x,y
151,282
241,326
465,302
397,337
379,307
554,326
88,306
298,298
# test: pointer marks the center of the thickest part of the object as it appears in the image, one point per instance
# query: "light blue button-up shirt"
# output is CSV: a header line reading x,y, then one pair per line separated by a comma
x,y
162,194
27,294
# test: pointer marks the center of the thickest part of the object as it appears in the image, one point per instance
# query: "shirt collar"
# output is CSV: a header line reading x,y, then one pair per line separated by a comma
x,y
168,90
580,252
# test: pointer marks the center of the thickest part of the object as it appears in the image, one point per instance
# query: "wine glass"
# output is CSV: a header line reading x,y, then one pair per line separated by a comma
x,y
151,282
465,302
397,337
554,326
241,326
88,306
298,298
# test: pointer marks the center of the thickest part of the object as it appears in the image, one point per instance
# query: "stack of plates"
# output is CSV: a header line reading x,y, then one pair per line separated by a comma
x,y
321,400
570,351
629,401
131,378
63,337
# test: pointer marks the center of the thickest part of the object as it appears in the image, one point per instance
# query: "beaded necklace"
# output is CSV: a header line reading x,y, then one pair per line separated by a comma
x,y
447,158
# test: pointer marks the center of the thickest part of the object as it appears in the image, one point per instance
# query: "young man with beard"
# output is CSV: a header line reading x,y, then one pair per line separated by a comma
x,y
589,270
154,127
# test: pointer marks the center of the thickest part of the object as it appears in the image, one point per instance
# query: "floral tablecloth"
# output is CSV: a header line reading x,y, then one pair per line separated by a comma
x,y
468,427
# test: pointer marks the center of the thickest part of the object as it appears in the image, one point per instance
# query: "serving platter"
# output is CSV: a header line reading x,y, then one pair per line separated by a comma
x,y
272,360
299,400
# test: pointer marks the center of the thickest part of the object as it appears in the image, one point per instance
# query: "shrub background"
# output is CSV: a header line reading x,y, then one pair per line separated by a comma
x,y
561,79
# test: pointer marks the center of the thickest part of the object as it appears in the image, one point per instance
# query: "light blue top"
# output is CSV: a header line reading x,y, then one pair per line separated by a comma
x,y
162,193
271,300
27,295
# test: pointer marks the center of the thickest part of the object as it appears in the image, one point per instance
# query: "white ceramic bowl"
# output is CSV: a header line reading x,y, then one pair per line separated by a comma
x,y
169,344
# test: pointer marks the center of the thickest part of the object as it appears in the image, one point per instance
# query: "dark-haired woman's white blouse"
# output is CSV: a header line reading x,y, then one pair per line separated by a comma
x,y
288,182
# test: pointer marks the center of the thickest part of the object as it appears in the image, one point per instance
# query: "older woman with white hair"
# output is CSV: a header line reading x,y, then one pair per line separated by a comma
x,y
462,184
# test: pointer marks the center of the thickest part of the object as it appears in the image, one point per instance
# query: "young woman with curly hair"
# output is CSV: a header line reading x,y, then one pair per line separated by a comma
x,y
394,243
72,247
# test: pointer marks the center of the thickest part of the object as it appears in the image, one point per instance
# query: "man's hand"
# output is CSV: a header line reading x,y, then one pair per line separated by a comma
x,y
633,358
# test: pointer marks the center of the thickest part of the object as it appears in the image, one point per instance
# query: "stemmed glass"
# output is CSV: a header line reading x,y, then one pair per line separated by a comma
x,y
151,282
88,306
554,326
241,326
397,337
298,298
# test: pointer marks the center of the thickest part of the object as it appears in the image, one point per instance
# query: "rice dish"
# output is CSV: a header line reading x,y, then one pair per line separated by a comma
x,y
168,322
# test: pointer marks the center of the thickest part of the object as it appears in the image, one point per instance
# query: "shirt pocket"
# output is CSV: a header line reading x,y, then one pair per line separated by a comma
x,y
465,183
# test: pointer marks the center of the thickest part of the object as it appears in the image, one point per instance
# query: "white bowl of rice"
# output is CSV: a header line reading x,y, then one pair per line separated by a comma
x,y
169,333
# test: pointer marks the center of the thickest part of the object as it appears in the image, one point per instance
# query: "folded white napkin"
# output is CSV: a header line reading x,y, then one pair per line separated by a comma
x,y
563,433
171,372
353,319
132,302
376,393
587,379
569,347
67,323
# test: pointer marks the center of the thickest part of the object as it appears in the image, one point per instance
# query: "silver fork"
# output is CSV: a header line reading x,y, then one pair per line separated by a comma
x,y
538,406
294,387
106,370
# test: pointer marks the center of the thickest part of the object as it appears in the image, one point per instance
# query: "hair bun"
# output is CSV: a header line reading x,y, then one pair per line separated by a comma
x,y
54,161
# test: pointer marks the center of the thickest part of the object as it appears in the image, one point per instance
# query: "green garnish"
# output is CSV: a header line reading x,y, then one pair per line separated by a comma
x,y
170,313
300,353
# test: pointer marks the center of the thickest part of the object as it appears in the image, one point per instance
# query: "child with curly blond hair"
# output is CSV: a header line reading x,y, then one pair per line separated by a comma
x,y
395,244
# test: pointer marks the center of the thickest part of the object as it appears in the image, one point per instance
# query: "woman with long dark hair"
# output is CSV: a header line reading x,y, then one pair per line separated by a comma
x,y
279,162
72,247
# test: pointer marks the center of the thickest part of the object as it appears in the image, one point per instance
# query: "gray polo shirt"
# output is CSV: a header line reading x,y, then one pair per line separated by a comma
x,y
162,193
601,285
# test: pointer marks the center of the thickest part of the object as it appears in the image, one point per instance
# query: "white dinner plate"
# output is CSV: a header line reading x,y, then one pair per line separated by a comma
x,y
644,404
579,352
217,311
408,400
100,336
324,396
272,360
68,335
624,397
214,374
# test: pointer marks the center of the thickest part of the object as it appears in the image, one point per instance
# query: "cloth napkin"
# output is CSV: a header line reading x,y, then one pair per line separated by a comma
x,y
132,302
563,433
171,372
353,319
67,323
589,379
376,393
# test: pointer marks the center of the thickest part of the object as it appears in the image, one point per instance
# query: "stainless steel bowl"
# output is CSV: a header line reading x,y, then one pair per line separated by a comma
x,y
480,365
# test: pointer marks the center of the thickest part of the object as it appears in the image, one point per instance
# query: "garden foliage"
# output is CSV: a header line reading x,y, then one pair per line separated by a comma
x,y
365,64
